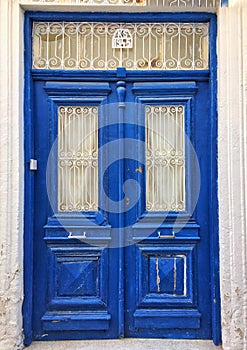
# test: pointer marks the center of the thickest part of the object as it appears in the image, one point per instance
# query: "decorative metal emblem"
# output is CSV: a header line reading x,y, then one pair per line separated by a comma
x,y
122,39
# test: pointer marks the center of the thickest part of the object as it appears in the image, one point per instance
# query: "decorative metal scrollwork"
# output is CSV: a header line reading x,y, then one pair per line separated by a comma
x,y
77,158
165,158
106,46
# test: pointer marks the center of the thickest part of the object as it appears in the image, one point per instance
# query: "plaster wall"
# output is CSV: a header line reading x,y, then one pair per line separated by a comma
x,y
232,79
232,163
11,174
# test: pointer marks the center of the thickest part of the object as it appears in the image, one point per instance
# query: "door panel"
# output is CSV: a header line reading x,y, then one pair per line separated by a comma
x,y
82,250
75,291
166,293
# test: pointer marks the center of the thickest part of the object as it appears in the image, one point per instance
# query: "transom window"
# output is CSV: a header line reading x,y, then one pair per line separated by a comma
x,y
143,46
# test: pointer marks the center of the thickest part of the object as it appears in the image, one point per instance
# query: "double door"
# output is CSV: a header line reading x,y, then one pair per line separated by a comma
x,y
121,209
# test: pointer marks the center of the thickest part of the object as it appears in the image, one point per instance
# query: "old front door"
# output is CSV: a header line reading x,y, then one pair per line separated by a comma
x,y
119,176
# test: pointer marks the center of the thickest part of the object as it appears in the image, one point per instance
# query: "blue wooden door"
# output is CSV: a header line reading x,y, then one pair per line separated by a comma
x,y
167,271
121,211
122,269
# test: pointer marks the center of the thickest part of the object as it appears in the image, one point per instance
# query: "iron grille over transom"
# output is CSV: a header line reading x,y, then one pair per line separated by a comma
x,y
90,46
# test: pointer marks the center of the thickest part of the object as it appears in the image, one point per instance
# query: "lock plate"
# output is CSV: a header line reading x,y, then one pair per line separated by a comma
x,y
33,164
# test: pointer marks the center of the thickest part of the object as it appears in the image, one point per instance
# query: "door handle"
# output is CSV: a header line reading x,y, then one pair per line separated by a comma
x,y
166,236
78,237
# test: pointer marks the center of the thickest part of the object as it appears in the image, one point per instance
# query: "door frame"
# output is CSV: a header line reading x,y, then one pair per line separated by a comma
x,y
30,75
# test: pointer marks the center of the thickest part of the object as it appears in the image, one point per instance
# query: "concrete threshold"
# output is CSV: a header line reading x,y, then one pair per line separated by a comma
x,y
126,344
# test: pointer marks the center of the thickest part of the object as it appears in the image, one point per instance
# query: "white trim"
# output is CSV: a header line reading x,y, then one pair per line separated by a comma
x,y
80,8
232,143
11,174
28,5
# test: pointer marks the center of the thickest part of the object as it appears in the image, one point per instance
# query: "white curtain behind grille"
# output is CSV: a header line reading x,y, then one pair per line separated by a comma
x,y
77,158
165,173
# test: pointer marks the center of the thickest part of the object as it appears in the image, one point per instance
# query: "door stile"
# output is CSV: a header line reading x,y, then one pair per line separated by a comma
x,y
121,94
214,237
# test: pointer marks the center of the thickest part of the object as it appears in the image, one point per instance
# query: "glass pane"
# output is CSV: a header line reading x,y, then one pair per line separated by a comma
x,y
162,46
77,158
165,172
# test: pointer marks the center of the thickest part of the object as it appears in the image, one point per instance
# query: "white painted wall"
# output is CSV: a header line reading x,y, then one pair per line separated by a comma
x,y
232,77
11,174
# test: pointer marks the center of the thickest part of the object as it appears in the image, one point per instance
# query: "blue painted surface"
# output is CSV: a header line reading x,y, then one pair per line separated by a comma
x,y
117,296
224,2
214,227
123,17
29,191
